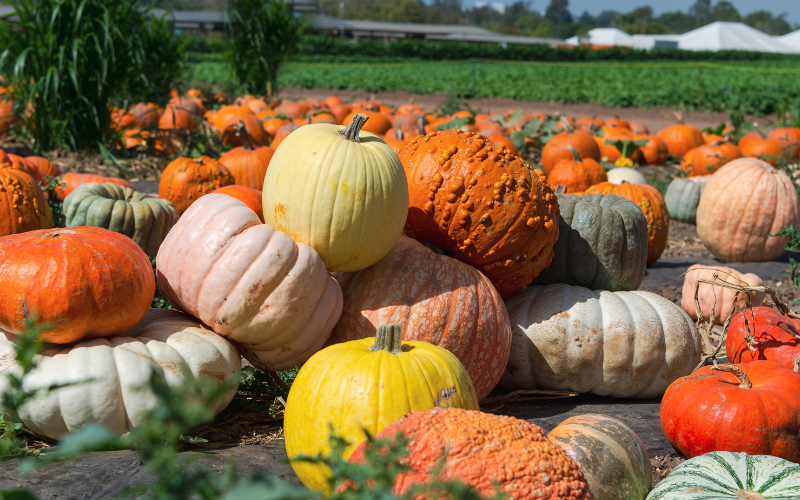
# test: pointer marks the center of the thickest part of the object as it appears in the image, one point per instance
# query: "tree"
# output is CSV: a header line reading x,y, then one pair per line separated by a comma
x,y
725,11
558,12
701,11
766,22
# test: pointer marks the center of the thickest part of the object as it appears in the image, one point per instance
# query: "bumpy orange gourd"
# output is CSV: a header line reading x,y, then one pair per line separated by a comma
x,y
708,158
248,196
655,211
187,179
577,175
23,206
485,451
681,138
482,204
72,181
556,149
85,282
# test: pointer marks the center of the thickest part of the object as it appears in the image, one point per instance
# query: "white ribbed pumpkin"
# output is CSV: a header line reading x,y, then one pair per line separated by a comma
x,y
625,174
339,190
620,344
166,341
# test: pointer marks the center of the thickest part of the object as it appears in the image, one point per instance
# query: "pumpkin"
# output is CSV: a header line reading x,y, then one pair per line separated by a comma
x,y
789,138
248,196
619,344
438,300
248,282
682,198
611,456
655,210
750,408
602,244
621,175
482,204
773,337
768,150
589,123
226,113
654,151
84,282
43,166
576,174
349,203
717,297
146,115
485,451
680,139
736,476
377,123
8,160
748,138
72,180
556,148
108,374
244,131
185,180
708,158
387,378
745,202
617,122
8,117
292,110
191,104
23,206
638,128
145,220
340,111
177,117
248,165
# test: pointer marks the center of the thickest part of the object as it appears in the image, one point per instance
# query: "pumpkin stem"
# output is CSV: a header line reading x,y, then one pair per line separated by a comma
x,y
567,125
574,152
242,131
421,124
388,338
744,380
797,364
351,132
561,189
399,135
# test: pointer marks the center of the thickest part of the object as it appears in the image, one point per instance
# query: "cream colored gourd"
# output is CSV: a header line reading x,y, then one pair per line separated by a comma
x,y
717,297
340,190
166,341
620,344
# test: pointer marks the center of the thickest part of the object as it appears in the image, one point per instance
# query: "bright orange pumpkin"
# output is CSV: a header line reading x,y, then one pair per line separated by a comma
x,y
789,137
241,130
187,179
655,151
681,138
576,174
72,181
23,206
248,196
377,123
557,148
769,150
708,158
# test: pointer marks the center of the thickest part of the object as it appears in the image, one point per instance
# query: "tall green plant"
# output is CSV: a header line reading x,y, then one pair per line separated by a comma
x,y
263,33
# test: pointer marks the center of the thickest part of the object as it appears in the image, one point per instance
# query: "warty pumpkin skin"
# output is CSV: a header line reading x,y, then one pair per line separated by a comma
x,y
185,180
165,341
682,198
85,282
23,206
750,408
250,283
717,297
386,379
72,181
8,160
619,344
602,244
438,300
486,451
556,149
250,197
481,204
708,158
611,456
110,206
745,202
775,337
680,139
655,211
340,190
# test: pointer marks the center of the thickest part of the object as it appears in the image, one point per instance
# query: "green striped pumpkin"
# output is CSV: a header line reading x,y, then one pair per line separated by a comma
x,y
612,457
723,475
123,210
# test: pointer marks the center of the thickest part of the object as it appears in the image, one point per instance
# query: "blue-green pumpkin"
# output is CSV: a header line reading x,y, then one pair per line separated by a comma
x,y
682,198
143,219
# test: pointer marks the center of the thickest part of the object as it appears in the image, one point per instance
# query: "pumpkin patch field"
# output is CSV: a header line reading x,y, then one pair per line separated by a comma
x,y
345,298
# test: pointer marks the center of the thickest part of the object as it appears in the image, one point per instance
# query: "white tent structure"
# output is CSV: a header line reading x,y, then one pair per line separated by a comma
x,y
603,36
730,36
791,40
656,41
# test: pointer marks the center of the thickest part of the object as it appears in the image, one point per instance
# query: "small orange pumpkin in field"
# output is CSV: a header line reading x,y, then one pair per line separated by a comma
x,y
146,114
8,160
617,122
23,206
377,123
576,174
589,124
655,151
176,117
241,130
248,164
187,179
769,150
44,166
556,149
638,128
248,196
292,110
225,113
709,158
681,138
746,139
655,211
789,137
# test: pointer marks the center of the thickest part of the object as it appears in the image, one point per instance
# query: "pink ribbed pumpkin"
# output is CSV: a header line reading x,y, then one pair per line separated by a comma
x,y
438,300
717,297
248,282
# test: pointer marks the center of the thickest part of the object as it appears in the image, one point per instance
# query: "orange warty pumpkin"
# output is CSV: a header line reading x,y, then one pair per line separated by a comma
x,y
187,179
655,211
241,130
485,451
482,204
248,196
789,137
655,151
709,158
556,149
578,175
73,180
85,282
681,138
23,206
768,150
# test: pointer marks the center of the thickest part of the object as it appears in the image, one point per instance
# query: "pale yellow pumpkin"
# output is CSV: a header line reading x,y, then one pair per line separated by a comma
x,y
365,385
340,190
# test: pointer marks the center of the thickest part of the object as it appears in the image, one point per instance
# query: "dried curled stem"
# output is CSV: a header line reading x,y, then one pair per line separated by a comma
x,y
744,380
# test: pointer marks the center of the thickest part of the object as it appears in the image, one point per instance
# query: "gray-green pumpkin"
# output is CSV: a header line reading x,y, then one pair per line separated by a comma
x,y
123,210
602,244
682,199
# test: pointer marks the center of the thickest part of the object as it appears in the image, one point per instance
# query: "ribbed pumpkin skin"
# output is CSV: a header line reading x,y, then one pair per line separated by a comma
x,y
86,281
248,167
8,160
774,337
485,451
735,223
381,387
185,180
250,197
708,411
602,244
612,457
708,158
556,149
72,181
248,282
23,206
438,300
680,139
123,210
737,476
165,341
619,344
682,198
717,297
346,200
482,204
655,210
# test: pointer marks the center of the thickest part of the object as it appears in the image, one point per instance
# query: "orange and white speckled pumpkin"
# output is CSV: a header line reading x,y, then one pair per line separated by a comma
x,y
717,297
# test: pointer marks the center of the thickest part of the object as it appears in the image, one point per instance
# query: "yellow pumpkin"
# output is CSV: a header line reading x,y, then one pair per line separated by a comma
x,y
365,385
340,190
